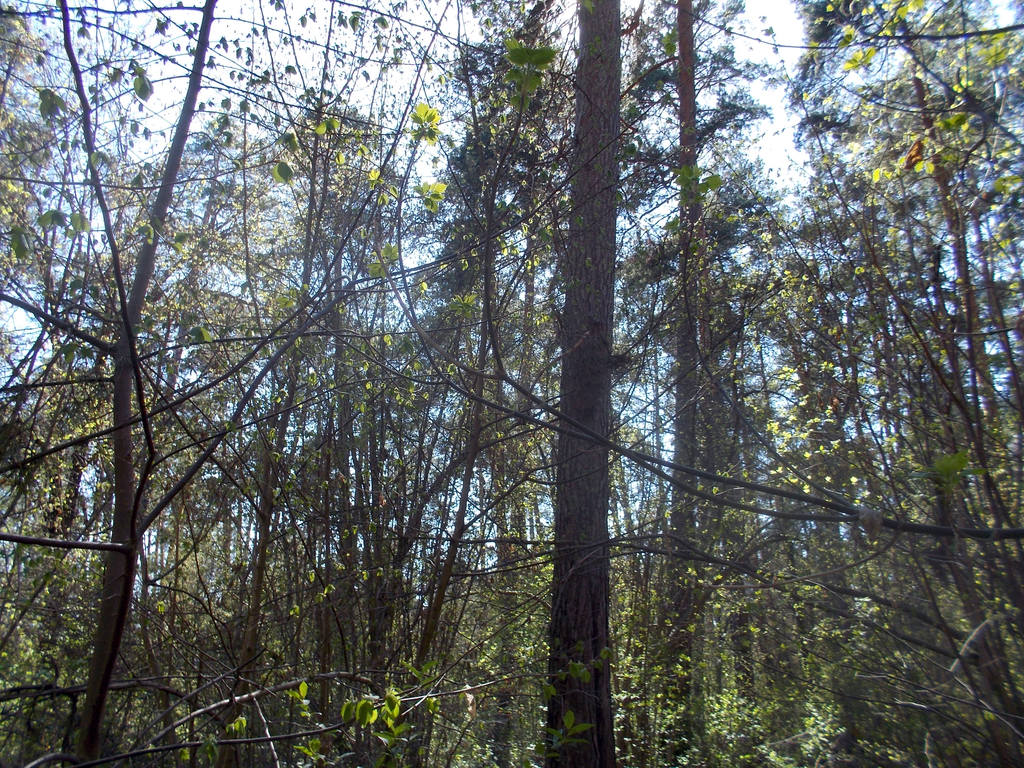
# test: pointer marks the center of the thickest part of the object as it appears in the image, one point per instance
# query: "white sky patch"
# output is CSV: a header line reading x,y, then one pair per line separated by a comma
x,y
774,33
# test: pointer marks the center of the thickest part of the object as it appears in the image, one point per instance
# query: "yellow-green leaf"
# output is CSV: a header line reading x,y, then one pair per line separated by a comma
x,y
283,172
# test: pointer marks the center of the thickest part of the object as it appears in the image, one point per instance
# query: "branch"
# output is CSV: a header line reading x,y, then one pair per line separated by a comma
x,y
848,512
254,695
41,541
57,322
53,757
50,690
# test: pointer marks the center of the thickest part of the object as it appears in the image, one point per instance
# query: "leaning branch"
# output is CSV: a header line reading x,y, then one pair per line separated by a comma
x,y
42,541
255,695
69,328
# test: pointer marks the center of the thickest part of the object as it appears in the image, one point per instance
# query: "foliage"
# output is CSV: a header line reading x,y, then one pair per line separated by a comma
x,y
340,477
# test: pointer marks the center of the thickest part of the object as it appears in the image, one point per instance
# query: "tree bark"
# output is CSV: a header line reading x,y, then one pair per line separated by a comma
x,y
579,664
684,601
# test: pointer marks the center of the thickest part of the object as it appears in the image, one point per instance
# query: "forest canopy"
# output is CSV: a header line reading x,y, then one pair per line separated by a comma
x,y
442,384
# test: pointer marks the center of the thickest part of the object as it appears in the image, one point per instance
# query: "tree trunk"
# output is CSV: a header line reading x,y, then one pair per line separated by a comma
x,y
119,569
579,663
682,598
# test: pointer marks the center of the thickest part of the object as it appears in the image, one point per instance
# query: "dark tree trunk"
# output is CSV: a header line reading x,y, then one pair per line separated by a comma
x,y
580,660
683,598
119,568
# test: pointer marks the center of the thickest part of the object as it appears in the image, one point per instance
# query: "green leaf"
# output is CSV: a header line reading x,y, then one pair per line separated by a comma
x,y
426,121
955,122
303,689
348,711
69,352
860,59
79,223
424,114
388,256
949,467
1006,184
178,244
50,104
283,172
711,183
520,55
142,85
290,140
686,175
464,305
431,193
392,707
20,243
527,80
200,335
668,43
527,64
365,714
52,218
209,750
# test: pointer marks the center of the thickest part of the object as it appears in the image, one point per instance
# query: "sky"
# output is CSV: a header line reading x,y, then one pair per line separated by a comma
x,y
774,21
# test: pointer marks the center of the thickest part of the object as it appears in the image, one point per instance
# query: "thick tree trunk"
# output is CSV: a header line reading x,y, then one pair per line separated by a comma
x,y
580,659
686,350
684,602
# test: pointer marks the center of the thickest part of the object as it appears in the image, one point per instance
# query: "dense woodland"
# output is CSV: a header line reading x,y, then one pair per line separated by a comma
x,y
445,384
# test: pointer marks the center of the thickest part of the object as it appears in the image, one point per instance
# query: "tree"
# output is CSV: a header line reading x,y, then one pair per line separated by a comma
x,y
126,527
416,355
579,710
